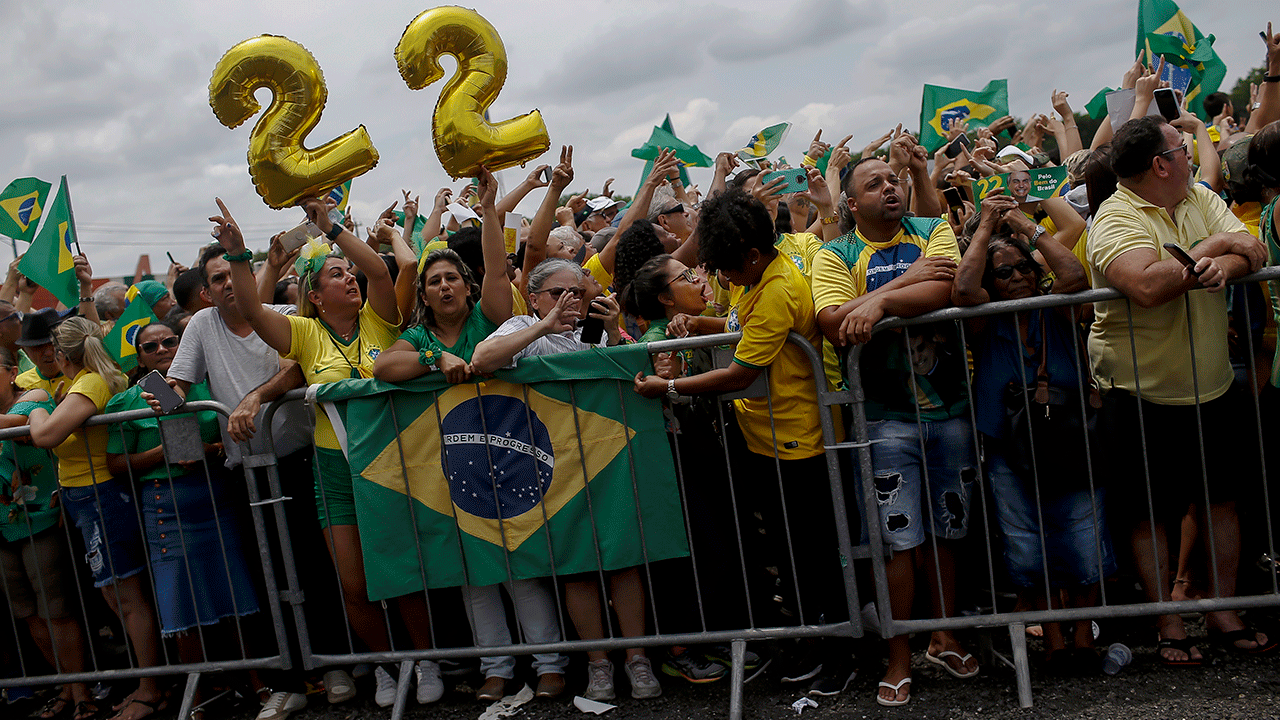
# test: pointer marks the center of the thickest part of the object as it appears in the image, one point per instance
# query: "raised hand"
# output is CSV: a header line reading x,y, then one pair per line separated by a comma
x,y
817,148
562,175
1060,104
227,232
606,191
534,179
487,186
879,142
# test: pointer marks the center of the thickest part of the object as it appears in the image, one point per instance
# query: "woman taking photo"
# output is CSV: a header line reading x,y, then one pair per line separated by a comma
x,y
192,526
1053,505
556,293
336,336
101,507
770,300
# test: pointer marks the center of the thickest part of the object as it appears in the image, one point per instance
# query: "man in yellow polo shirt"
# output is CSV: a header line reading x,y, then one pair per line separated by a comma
x,y
1166,344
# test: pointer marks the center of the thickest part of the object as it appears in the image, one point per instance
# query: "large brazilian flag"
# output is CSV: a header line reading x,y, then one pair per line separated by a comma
x,y
1164,30
940,107
555,467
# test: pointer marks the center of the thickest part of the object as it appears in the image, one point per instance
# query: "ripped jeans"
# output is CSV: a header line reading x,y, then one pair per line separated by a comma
x,y
922,469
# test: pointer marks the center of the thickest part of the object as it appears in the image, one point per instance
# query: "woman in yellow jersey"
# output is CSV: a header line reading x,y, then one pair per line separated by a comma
x,y
103,508
336,336
737,239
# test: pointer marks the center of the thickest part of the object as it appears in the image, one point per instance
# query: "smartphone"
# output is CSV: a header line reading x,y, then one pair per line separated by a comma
x,y
1181,255
961,142
546,174
955,198
171,260
1167,102
797,180
154,383
592,329
297,237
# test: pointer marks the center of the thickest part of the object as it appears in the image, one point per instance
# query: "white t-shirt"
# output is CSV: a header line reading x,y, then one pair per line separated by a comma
x,y
564,342
235,366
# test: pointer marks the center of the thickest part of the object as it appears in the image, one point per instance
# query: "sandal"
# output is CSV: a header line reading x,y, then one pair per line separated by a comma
x,y
86,711
941,659
1185,646
1228,640
153,707
55,708
895,702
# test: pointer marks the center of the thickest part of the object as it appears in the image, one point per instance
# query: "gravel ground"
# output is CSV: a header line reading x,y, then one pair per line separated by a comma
x,y
1230,685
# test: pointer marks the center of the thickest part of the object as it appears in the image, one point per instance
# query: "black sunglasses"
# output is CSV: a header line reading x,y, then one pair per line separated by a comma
x,y
556,292
151,346
1004,272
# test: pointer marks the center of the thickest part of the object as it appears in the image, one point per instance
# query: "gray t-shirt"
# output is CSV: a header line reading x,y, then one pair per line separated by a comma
x,y
569,341
235,366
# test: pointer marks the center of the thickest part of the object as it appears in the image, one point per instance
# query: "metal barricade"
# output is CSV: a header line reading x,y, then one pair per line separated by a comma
x,y
403,455
1106,608
250,646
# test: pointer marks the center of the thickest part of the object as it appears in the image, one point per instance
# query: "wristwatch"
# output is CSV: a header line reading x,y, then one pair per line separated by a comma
x,y
1036,236
671,390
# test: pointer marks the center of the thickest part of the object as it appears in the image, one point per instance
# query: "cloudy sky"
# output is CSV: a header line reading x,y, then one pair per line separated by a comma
x,y
115,95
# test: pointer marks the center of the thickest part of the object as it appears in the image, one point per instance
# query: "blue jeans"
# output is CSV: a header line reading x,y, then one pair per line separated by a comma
x,y
1071,530
922,470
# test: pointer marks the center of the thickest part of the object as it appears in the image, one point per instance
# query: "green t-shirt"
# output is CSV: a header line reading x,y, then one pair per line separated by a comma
x,y
39,470
477,328
135,436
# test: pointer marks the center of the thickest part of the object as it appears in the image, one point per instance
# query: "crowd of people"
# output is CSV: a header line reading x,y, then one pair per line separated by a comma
x,y
1053,413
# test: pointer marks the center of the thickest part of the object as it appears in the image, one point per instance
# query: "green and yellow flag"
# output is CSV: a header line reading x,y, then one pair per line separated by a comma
x,y
50,261
341,195
1165,31
764,142
20,207
120,341
942,106
664,136
555,467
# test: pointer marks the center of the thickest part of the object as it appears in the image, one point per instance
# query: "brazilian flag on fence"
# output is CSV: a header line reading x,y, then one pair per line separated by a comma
x,y
21,204
1164,30
137,314
942,106
509,472
50,262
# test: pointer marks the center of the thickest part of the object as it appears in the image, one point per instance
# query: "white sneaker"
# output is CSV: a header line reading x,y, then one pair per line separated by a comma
x,y
281,704
430,686
385,695
599,680
338,686
643,683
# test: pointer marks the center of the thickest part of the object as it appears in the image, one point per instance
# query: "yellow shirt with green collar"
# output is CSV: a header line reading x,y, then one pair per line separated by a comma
x,y
1161,334
852,266
766,313
75,468
327,358
33,379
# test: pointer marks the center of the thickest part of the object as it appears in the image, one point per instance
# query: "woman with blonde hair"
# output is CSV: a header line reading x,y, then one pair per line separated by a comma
x,y
101,507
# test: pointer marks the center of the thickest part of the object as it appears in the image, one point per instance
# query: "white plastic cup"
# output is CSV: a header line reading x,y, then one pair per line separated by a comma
x,y
1118,655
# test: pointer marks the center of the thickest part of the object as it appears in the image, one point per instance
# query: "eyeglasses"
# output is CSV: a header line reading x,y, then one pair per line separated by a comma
x,y
690,276
1004,272
149,347
1183,147
556,292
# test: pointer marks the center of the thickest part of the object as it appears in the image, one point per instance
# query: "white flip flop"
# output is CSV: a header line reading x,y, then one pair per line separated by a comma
x,y
895,688
940,659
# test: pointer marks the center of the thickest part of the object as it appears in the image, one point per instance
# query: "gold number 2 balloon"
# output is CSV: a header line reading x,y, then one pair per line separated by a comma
x,y
464,139
284,171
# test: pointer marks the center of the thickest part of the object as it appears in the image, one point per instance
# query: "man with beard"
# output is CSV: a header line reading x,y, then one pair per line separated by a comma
x,y
891,264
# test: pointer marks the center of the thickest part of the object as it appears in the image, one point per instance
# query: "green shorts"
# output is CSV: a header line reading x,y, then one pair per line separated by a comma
x,y
335,499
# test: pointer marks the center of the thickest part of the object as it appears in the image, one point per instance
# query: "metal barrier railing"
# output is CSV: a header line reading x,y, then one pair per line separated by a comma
x,y
1016,621
737,553
252,653
759,625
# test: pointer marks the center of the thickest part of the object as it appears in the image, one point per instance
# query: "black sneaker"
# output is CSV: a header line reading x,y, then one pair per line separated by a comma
x,y
753,664
834,680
